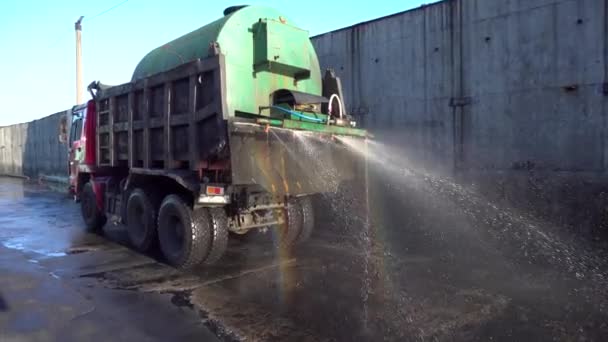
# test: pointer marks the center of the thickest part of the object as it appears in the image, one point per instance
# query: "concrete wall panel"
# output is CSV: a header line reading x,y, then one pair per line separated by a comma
x,y
33,148
397,78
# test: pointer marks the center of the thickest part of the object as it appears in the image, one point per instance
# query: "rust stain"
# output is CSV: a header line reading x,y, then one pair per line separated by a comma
x,y
284,174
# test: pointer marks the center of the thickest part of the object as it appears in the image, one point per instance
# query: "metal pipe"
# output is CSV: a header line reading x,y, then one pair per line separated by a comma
x,y
271,122
331,98
263,207
300,115
258,225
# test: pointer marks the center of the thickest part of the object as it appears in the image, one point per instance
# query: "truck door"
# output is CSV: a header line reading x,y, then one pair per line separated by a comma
x,y
76,148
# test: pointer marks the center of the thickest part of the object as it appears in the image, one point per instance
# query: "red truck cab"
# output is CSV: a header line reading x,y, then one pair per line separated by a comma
x,y
81,144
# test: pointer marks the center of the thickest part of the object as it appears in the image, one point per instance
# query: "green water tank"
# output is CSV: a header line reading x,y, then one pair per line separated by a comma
x,y
264,52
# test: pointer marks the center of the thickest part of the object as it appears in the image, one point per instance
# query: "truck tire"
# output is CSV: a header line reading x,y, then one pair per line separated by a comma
x,y
94,219
308,218
184,234
141,220
219,242
289,231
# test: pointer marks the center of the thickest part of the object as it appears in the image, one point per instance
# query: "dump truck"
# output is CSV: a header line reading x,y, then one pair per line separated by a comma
x,y
228,129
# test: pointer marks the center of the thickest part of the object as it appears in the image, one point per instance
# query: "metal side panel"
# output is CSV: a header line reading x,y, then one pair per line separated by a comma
x,y
288,162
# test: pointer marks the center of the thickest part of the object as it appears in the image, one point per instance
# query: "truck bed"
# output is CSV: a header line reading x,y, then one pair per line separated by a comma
x,y
171,120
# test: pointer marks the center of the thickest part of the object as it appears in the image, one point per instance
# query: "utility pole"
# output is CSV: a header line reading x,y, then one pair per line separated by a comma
x,y
78,28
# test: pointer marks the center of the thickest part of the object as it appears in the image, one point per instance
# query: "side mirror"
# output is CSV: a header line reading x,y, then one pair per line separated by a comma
x,y
63,129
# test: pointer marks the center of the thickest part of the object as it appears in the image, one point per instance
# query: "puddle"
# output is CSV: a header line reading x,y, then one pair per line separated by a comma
x,y
19,244
25,244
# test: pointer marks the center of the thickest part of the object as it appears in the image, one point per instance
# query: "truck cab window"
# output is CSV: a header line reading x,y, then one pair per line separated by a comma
x,y
76,130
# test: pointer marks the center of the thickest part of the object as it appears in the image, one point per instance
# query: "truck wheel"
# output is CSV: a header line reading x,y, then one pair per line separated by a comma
x,y
141,220
289,231
308,218
219,243
93,218
184,234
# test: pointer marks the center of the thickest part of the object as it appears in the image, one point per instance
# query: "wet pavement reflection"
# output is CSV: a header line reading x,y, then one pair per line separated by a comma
x,y
423,271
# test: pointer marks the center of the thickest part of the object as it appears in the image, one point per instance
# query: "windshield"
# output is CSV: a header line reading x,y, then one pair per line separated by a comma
x,y
76,128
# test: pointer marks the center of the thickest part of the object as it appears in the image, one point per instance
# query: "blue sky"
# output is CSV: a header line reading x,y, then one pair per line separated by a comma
x,y
38,56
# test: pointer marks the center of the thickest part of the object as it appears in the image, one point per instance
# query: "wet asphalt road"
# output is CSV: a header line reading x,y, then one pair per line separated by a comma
x,y
423,269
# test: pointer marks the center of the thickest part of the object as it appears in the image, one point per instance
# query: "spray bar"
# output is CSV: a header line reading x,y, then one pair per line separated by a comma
x,y
314,127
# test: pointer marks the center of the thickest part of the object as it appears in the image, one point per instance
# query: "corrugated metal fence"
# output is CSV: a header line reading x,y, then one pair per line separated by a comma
x,y
33,149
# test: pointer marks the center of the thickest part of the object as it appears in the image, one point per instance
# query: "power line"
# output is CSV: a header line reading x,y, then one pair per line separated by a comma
x,y
105,11
87,18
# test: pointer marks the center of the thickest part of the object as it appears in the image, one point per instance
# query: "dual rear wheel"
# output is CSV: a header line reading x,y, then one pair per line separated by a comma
x,y
299,222
187,237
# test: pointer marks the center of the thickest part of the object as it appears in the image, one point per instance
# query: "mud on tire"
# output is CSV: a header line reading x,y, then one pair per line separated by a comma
x,y
185,235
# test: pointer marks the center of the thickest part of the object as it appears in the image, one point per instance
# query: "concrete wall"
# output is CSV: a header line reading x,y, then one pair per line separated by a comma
x,y
33,149
506,94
